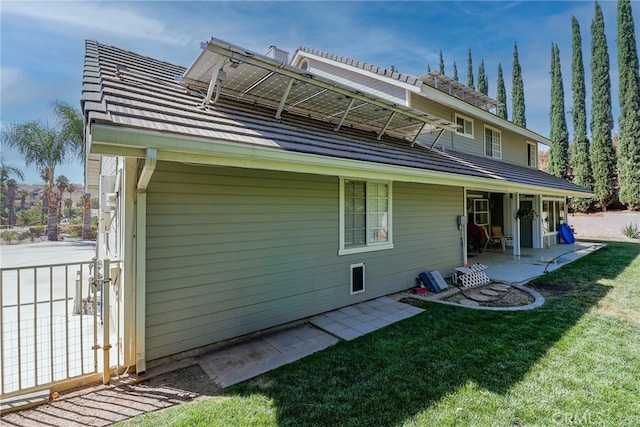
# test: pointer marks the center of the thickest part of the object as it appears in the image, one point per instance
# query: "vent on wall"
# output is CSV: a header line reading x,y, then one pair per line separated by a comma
x,y
357,278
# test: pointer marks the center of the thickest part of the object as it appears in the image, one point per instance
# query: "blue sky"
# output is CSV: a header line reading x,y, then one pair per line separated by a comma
x,y
42,43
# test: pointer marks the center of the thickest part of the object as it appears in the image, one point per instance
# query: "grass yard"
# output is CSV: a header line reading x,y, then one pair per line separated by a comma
x,y
573,361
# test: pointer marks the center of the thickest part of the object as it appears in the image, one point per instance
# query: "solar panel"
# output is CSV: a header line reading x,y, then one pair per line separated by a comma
x,y
257,78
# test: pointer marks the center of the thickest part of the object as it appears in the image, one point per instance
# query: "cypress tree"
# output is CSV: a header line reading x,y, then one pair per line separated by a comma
x,y
580,162
517,92
483,83
559,152
470,72
603,156
455,71
502,95
629,141
428,68
441,63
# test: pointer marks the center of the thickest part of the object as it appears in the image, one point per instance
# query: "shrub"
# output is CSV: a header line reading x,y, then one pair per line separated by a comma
x,y
75,230
631,231
9,236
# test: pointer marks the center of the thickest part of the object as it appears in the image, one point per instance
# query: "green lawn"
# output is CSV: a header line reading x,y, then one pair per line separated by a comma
x,y
573,361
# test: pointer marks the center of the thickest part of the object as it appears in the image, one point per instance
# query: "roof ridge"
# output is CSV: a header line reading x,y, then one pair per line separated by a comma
x,y
387,72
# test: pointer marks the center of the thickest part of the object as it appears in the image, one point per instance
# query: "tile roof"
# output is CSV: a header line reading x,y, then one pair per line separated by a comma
x,y
131,91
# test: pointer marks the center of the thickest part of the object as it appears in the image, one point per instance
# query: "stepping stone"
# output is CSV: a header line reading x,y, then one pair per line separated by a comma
x,y
479,297
500,288
466,301
489,292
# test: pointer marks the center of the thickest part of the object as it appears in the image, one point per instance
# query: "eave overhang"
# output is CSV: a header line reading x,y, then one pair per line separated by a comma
x,y
119,141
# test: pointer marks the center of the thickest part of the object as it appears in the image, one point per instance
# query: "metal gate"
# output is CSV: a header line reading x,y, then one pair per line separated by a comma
x,y
56,325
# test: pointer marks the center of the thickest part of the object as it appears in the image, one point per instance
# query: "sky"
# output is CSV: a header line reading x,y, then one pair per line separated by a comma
x,y
42,44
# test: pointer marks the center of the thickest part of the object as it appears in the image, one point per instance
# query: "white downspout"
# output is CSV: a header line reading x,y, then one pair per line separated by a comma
x,y
515,232
141,260
463,227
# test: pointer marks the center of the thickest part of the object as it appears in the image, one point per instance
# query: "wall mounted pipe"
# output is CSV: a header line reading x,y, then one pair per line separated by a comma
x,y
141,261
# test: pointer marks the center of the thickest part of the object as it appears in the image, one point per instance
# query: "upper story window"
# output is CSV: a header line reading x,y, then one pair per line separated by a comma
x,y
532,154
466,126
492,142
365,216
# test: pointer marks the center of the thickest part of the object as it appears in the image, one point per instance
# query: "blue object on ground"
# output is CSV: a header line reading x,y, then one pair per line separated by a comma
x,y
433,280
566,234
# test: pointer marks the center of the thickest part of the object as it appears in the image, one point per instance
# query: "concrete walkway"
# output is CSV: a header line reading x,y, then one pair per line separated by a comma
x,y
241,362
356,320
505,267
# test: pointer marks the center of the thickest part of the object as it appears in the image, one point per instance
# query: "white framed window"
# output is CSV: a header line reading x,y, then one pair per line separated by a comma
x,y
365,216
466,126
481,212
532,154
492,142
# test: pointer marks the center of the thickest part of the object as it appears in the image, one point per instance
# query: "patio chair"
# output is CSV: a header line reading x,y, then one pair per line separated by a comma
x,y
497,238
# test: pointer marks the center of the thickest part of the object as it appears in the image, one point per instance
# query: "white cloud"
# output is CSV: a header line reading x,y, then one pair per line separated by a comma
x,y
92,17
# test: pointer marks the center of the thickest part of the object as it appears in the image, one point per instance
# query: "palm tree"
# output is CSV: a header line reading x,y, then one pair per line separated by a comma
x,y
70,189
12,186
6,170
23,199
44,148
62,182
71,122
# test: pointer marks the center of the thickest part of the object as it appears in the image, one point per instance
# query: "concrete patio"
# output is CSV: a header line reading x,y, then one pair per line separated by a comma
x,y
531,263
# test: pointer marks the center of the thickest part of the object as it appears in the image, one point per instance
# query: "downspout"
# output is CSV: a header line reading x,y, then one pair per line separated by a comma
x,y
462,226
141,258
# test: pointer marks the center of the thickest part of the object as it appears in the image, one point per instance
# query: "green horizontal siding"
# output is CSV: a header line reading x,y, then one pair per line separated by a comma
x,y
514,146
233,251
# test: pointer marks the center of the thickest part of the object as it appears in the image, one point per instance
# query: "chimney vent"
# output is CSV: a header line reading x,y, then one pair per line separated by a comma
x,y
278,54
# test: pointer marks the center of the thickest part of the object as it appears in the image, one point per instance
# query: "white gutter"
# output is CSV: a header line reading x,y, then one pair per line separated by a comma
x,y
141,260
111,140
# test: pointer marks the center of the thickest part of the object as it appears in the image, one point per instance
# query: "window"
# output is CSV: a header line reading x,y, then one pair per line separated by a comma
x,y
552,215
532,154
365,216
481,212
466,126
492,142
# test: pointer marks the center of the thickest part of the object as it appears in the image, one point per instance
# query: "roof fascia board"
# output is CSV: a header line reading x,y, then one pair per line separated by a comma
x,y
112,140
361,71
231,51
464,107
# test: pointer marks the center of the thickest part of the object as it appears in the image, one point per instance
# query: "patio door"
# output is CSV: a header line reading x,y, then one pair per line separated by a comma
x,y
526,226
